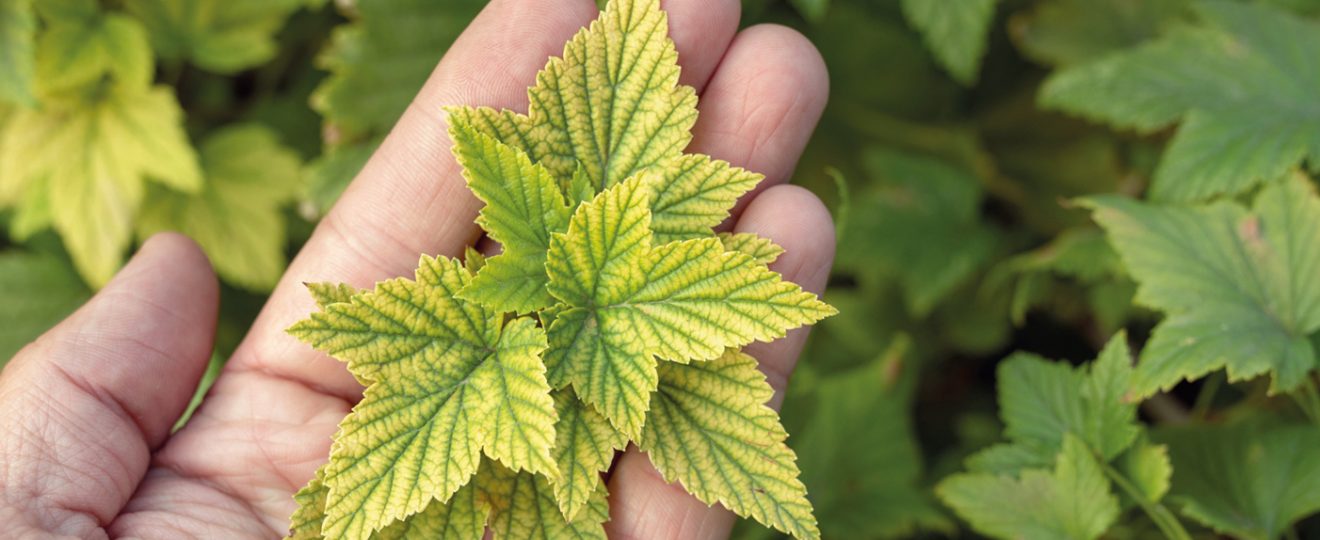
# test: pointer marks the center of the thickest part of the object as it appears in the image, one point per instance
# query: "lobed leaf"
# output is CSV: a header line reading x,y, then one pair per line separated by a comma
x,y
711,430
955,31
1233,282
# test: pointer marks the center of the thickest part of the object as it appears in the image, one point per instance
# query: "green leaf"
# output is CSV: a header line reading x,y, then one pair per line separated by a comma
x,y
1245,481
1243,86
1070,32
585,444
611,104
446,384
523,207
630,301
956,31
224,36
1071,502
81,45
711,430
877,492
236,217
18,29
1148,466
38,291
922,228
377,63
1235,284
95,156
1042,402
462,516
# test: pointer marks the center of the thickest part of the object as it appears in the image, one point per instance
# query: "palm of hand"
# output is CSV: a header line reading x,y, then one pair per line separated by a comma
x,y
85,412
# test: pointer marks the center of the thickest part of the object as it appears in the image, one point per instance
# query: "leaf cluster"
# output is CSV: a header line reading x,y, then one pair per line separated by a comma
x,y
499,388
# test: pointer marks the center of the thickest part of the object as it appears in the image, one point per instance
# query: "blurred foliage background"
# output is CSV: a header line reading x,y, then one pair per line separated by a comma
x,y
952,177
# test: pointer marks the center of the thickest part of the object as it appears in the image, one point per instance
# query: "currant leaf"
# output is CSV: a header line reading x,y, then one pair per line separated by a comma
x,y
523,207
1073,501
611,104
956,32
447,383
694,194
710,429
224,36
18,28
1243,86
585,444
236,217
1235,284
629,301
94,155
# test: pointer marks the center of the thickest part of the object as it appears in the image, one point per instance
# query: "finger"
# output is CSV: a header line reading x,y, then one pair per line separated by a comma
x,y
642,503
411,198
762,104
82,407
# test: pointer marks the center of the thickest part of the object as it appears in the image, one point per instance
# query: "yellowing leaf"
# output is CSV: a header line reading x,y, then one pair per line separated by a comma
x,y
710,429
462,516
611,103
17,30
219,35
693,195
81,44
94,154
523,506
446,384
331,293
236,217
523,206
584,447
630,301
761,250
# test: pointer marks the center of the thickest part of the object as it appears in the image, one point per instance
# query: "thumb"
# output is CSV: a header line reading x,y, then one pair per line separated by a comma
x,y
83,406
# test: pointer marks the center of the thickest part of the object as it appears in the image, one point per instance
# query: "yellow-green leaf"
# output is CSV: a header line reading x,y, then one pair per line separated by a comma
x,y
523,507
236,217
584,448
761,250
82,44
331,293
630,301
95,155
523,206
710,429
219,35
611,103
693,195
462,516
447,383
18,29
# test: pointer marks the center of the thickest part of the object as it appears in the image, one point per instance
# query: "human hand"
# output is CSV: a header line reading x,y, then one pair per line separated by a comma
x,y
85,411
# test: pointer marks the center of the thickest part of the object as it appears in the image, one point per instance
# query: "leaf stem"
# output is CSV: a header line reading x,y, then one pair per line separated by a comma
x,y
1308,400
1160,514
1206,397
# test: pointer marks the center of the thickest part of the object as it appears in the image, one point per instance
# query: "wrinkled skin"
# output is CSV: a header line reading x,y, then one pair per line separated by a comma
x,y
86,410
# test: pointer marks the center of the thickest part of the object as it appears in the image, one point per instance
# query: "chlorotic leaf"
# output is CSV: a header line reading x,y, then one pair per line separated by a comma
x,y
1235,284
1073,501
236,217
18,29
1243,85
523,505
219,35
1245,481
523,207
955,31
693,195
80,46
331,293
611,104
761,250
711,430
1042,402
585,444
39,291
446,384
94,157
631,301
462,516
